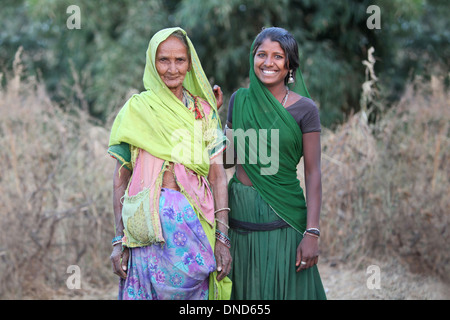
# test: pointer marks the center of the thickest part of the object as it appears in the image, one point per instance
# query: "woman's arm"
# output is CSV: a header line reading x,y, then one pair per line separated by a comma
x,y
308,250
218,181
118,257
313,177
229,155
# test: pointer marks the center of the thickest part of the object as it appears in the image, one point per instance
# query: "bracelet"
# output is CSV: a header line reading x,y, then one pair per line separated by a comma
x,y
228,209
310,234
220,234
223,223
223,238
116,240
315,231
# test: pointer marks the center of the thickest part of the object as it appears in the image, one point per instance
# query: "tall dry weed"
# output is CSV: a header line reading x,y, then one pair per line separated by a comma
x,y
386,186
414,141
54,190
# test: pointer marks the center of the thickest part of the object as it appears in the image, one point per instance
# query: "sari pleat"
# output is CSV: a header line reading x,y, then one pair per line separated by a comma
x,y
264,261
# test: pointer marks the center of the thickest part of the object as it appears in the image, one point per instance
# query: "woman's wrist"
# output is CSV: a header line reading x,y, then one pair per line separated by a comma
x,y
221,217
116,240
223,238
309,236
312,232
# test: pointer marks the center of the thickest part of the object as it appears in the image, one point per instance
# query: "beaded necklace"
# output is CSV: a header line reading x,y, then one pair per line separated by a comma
x,y
283,102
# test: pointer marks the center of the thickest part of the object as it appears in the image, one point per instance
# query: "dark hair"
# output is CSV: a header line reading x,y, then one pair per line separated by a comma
x,y
287,43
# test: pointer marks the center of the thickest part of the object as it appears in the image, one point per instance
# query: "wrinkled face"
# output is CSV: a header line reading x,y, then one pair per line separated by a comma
x,y
270,63
172,62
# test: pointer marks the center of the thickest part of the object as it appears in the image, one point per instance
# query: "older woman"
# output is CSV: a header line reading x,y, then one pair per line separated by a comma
x,y
166,141
274,229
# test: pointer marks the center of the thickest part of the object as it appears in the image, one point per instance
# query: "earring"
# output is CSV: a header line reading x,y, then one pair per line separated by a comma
x,y
291,78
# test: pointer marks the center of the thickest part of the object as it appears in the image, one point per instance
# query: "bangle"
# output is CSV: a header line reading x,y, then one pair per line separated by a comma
x,y
315,231
310,234
223,223
223,238
228,209
116,240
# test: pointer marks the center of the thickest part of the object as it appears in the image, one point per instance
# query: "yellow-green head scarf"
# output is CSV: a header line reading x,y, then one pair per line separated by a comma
x,y
156,121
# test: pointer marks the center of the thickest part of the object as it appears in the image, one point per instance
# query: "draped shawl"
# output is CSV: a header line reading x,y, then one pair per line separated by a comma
x,y
156,121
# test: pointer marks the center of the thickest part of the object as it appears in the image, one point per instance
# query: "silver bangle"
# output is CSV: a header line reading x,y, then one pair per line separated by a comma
x,y
220,221
312,232
117,242
218,210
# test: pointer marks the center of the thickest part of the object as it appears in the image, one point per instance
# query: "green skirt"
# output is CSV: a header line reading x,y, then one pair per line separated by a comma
x,y
264,261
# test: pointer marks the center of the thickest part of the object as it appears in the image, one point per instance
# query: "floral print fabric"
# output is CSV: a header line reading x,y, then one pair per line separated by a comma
x,y
176,269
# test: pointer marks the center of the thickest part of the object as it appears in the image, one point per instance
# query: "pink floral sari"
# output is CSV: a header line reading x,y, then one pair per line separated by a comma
x,y
177,266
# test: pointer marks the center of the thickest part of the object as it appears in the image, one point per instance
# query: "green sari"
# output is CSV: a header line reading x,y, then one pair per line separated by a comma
x,y
264,261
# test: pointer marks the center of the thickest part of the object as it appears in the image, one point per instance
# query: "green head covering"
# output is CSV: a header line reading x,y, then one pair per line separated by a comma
x,y
158,122
259,114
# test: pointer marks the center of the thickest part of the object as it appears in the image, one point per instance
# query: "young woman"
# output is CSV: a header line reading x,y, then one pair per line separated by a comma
x,y
274,229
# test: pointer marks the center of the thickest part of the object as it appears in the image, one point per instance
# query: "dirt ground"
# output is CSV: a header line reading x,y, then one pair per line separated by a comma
x,y
344,282
341,282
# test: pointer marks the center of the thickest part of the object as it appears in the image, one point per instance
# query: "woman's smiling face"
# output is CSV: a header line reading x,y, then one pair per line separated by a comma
x,y
270,63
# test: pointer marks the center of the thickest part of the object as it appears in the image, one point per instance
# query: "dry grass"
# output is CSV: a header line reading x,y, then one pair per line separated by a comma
x,y
386,187
348,282
385,190
55,192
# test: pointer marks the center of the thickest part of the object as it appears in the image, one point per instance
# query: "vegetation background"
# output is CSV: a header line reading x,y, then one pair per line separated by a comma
x,y
385,113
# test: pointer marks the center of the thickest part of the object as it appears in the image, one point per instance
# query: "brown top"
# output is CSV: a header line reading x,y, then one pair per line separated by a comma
x,y
304,112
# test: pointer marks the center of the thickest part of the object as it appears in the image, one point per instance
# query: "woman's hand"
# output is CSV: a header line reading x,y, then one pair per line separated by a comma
x,y
223,260
119,260
219,95
307,252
